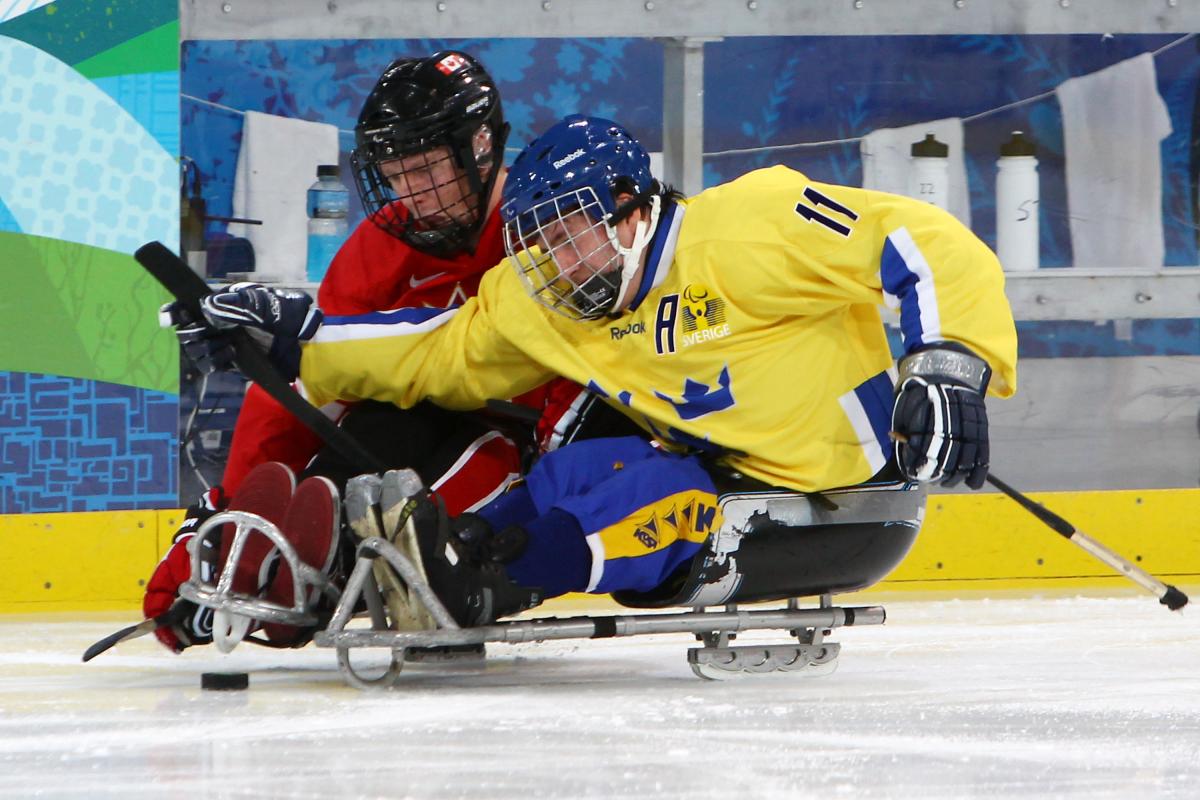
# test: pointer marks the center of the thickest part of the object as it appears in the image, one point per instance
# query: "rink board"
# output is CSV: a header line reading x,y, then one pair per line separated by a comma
x,y
970,542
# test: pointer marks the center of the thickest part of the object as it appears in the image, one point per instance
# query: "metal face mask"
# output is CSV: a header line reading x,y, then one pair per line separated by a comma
x,y
567,255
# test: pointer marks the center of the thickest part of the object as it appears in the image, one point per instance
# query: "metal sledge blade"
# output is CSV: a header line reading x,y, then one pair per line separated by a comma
x,y
724,663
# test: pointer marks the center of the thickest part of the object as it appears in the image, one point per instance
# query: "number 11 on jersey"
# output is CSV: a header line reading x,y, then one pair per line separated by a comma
x,y
812,215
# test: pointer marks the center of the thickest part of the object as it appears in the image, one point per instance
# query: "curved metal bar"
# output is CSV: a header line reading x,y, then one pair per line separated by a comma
x,y
355,679
221,596
401,563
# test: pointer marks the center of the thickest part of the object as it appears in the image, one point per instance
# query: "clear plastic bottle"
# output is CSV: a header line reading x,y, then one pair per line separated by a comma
x,y
328,207
930,176
1017,204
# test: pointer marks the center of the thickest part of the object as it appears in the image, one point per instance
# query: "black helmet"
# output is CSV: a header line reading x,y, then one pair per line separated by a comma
x,y
417,106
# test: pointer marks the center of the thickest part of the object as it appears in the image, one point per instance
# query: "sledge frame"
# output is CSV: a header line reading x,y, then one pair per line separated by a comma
x,y
715,659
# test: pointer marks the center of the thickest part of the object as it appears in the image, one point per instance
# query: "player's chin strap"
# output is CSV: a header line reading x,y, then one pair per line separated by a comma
x,y
631,257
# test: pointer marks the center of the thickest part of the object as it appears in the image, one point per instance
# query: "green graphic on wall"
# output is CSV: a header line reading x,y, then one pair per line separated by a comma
x,y
89,384
83,312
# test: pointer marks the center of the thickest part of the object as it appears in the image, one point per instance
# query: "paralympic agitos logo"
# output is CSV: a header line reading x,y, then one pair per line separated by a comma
x,y
698,311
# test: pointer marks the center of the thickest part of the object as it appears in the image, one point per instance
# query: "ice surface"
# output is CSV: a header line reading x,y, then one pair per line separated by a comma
x,y
1063,697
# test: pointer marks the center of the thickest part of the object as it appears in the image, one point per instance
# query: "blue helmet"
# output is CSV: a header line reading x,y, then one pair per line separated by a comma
x,y
577,152
578,165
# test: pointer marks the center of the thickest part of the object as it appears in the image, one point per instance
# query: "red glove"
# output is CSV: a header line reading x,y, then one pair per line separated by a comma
x,y
162,590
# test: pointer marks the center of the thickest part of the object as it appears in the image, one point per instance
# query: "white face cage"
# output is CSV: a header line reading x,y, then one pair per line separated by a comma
x,y
570,258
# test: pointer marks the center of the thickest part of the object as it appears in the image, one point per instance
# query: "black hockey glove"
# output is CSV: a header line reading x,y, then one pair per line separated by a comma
x,y
278,320
208,348
939,418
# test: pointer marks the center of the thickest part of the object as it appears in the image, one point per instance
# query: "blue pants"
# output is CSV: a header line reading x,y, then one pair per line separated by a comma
x,y
604,515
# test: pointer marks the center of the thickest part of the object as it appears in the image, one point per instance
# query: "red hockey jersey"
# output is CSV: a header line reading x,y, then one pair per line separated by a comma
x,y
373,271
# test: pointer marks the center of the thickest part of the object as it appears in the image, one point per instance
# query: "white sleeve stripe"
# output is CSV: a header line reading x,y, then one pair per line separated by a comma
x,y
863,429
466,456
336,332
910,254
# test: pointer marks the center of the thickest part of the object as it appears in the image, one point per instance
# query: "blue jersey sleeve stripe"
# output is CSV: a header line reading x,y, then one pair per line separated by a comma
x,y
868,408
377,324
395,317
907,278
876,396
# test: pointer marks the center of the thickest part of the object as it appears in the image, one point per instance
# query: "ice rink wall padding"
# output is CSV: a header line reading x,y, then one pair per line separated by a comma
x,y
89,142
968,544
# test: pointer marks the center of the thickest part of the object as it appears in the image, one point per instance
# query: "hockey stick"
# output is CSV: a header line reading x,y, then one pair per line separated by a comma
x,y
188,288
168,617
1168,595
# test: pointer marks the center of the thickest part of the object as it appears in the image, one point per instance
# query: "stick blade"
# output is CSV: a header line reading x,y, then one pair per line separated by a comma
x,y
132,632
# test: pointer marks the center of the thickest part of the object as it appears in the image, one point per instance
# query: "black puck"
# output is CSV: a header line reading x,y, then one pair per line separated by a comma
x,y
224,681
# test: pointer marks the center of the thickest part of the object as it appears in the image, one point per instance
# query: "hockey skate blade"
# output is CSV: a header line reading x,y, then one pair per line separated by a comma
x,y
453,654
732,663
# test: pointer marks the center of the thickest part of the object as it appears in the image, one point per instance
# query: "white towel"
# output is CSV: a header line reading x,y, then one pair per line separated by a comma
x,y
276,165
1113,121
887,160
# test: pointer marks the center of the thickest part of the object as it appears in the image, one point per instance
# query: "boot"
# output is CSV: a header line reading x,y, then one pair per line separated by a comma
x,y
474,587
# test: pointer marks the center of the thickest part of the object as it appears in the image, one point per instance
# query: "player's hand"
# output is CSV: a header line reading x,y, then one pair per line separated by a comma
x,y
278,320
939,419
208,348
194,625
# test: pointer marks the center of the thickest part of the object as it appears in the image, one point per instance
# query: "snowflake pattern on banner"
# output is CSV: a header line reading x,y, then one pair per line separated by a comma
x,y
541,80
76,166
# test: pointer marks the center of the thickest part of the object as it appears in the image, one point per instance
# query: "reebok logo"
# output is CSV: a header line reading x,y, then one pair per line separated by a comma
x,y
567,159
632,328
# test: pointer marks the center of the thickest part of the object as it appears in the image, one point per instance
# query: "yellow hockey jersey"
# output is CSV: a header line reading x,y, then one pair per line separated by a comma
x,y
755,330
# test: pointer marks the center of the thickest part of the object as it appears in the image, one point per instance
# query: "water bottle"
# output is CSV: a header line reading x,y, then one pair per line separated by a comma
x,y
930,176
1017,204
328,207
